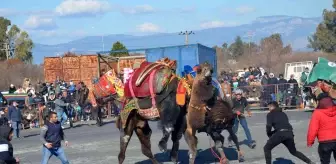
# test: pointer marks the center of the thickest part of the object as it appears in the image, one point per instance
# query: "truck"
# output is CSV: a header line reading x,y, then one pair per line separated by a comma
x,y
296,69
191,55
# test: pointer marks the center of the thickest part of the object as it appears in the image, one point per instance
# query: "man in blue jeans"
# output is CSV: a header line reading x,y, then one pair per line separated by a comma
x,y
14,116
240,104
51,136
60,107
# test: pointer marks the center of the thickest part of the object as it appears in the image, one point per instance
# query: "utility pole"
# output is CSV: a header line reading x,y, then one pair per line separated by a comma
x,y
187,33
6,48
250,35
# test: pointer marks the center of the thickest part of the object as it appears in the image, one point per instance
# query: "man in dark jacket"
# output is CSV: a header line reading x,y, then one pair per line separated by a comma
x,y
15,117
60,107
272,82
296,85
81,96
51,136
282,133
6,148
282,86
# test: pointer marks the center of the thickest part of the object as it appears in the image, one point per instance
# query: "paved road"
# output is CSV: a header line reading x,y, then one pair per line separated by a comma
x,y
93,145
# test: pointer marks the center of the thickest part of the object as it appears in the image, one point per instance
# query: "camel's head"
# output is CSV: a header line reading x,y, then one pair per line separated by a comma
x,y
204,71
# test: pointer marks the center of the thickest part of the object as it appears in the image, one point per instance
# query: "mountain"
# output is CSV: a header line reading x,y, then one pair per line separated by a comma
x,y
294,30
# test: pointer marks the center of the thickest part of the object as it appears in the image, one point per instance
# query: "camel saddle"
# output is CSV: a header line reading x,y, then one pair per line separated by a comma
x,y
139,83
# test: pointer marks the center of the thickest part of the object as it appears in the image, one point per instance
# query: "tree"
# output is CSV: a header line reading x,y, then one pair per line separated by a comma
x,y
272,49
237,48
4,23
324,39
224,46
118,46
23,46
20,44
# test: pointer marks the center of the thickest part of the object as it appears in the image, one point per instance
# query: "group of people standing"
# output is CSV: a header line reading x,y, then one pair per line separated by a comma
x,y
322,125
51,132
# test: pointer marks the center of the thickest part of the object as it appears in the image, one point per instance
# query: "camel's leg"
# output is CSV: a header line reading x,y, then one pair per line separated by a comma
x,y
180,128
163,142
219,145
125,137
192,143
235,141
169,114
144,132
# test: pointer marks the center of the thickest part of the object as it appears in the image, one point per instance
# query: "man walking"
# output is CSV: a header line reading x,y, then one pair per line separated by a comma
x,y
60,109
14,116
51,136
282,133
240,105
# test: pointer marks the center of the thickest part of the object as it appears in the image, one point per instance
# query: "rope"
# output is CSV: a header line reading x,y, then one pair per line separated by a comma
x,y
221,160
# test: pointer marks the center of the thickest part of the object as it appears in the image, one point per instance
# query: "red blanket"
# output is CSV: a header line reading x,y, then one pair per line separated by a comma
x,y
143,89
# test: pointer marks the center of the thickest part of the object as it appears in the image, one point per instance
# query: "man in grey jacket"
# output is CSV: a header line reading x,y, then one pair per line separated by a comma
x,y
60,107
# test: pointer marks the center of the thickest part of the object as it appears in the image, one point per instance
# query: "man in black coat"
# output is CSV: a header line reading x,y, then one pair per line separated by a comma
x,y
282,133
6,148
282,86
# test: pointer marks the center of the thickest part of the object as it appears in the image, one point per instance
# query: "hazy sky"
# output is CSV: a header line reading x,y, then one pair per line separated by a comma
x,y
56,21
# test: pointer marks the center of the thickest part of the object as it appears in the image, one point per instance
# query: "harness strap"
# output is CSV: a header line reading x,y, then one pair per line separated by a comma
x,y
151,88
130,86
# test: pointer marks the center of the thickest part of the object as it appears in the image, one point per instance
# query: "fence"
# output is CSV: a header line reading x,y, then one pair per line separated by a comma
x,y
288,95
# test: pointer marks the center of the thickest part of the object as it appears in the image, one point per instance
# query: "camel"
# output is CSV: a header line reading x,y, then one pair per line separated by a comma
x,y
208,113
150,95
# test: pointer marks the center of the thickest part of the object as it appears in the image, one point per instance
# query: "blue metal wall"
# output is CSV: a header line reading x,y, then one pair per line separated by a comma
x,y
207,54
185,55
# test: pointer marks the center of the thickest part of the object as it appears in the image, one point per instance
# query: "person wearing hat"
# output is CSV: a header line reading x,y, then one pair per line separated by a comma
x,y
282,133
60,106
322,126
240,105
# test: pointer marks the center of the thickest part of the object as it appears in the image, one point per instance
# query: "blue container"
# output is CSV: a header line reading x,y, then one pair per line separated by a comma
x,y
191,55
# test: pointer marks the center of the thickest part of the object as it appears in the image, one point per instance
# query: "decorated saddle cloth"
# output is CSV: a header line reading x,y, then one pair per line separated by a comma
x,y
143,90
144,106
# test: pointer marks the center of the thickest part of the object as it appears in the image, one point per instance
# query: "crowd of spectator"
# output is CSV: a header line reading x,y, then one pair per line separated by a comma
x,y
40,100
261,86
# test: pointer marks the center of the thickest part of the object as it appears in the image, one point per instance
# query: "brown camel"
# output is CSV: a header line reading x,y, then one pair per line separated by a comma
x,y
208,113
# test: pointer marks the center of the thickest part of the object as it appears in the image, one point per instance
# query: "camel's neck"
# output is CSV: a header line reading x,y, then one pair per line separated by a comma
x,y
201,92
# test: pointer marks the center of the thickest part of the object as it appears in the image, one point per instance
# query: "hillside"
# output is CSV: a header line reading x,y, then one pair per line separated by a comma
x,y
294,30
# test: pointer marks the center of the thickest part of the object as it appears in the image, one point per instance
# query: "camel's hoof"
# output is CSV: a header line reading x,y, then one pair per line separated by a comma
x,y
174,158
163,146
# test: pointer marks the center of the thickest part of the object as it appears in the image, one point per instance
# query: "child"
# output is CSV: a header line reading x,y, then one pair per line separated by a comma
x,y
6,148
78,110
